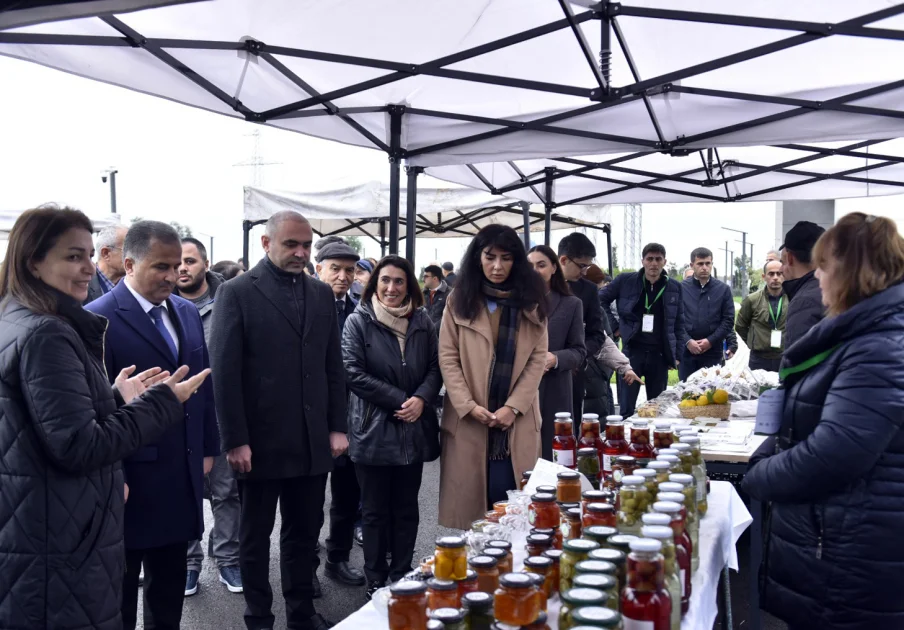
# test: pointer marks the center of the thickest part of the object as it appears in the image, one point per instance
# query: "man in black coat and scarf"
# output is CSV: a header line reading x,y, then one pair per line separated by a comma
x,y
801,285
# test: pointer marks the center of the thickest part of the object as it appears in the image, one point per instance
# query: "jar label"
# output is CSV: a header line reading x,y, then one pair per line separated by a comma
x,y
531,516
566,530
607,463
683,583
563,458
633,624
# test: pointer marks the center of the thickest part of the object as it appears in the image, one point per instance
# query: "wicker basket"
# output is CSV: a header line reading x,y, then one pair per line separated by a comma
x,y
707,411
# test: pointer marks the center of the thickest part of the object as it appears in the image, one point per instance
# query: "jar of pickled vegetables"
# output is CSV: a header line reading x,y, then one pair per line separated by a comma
x,y
640,447
668,451
597,617
542,623
517,602
673,582
662,469
575,551
633,501
662,435
537,544
622,467
564,446
645,598
590,434
597,496
616,557
672,460
599,534
556,556
408,605
573,525
451,561
600,582
599,514
649,479
678,523
698,470
502,557
478,609
525,479
615,443
685,456
621,542
568,487
690,498
541,565
543,511
554,533
575,599
589,465
467,585
487,570
452,618
591,565
442,594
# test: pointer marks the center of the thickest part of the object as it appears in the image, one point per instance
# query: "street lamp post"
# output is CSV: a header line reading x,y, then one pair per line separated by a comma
x,y
111,174
743,266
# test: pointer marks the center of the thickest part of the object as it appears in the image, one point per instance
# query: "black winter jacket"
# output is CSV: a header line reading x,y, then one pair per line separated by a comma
x,y
834,559
709,312
380,380
805,309
61,439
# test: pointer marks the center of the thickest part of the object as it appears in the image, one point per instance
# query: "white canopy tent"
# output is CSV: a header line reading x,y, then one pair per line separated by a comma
x,y
472,82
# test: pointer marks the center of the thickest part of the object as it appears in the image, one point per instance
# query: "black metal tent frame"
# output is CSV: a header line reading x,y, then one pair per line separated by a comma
x,y
601,96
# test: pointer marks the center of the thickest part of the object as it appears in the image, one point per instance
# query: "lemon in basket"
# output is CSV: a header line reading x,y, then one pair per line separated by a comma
x,y
687,403
720,397
703,401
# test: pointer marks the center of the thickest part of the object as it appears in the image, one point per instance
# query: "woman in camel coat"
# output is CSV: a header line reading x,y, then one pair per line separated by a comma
x,y
495,320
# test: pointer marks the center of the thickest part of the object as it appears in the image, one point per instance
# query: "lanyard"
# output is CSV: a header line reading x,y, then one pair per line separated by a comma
x,y
806,365
777,314
647,295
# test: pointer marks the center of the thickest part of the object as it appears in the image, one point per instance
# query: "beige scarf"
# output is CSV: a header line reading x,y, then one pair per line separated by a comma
x,y
394,318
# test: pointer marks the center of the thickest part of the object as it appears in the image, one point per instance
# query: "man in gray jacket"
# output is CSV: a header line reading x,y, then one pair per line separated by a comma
x,y
801,285
197,284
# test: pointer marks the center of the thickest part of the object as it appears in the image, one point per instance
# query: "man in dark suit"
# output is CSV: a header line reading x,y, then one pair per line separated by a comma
x,y
109,261
436,290
280,387
149,327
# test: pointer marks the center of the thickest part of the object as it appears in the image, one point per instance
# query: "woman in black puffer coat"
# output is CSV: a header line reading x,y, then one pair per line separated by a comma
x,y
835,474
389,346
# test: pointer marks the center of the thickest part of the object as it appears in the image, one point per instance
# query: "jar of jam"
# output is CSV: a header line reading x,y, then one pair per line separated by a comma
x,y
575,599
537,544
616,557
546,490
517,602
599,534
575,551
525,479
676,513
662,435
649,479
633,501
478,609
614,445
640,447
599,514
564,446
442,594
451,561
600,582
538,581
597,496
673,581
698,470
554,533
573,525
503,558
591,434
645,598
543,511
662,470
568,487
408,605
555,555
542,623
541,565
452,618
597,617
692,523
622,467
467,585
487,573
589,465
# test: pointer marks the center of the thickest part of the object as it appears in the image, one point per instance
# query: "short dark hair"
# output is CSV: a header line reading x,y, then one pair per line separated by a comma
x,y
434,270
227,268
34,234
577,245
138,239
414,293
655,248
700,253
201,249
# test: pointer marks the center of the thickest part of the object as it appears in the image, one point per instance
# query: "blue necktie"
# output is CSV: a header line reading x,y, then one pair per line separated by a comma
x,y
157,314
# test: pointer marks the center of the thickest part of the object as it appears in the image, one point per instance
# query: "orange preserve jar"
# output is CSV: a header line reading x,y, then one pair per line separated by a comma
x,y
442,594
537,544
451,558
517,602
487,573
599,514
596,496
505,566
541,565
538,581
543,512
555,555
467,585
501,557
554,533
568,487
573,526
408,606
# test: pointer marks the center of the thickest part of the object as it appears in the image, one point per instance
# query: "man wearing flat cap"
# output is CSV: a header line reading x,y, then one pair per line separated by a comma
x,y
801,285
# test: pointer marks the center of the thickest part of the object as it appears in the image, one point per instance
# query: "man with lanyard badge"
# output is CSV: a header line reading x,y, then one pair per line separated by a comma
x,y
761,320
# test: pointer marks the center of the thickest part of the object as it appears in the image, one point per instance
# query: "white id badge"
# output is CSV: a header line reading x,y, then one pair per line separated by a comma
x,y
776,339
647,324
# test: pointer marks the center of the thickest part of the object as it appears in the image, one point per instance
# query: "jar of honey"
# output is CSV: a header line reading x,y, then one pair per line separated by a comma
x,y
543,511
623,466
574,551
575,599
451,561
597,617
599,534
517,602
597,496
564,446
442,594
452,618
492,516
408,605
478,609
645,598
505,565
568,487
487,573
537,544
600,582
467,585
640,447
599,514
572,526
502,557
499,507
555,555
616,557
541,565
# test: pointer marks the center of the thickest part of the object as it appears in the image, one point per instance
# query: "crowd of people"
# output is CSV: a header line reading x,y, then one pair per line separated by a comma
x,y
134,387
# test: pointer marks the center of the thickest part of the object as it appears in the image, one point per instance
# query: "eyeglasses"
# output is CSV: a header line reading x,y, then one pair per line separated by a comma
x,y
582,266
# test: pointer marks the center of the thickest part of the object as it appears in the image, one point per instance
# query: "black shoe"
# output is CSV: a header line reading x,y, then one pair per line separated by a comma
x,y
359,536
318,592
344,573
372,588
319,623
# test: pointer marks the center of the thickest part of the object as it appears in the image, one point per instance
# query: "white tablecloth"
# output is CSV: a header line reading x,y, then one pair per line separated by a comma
x,y
724,523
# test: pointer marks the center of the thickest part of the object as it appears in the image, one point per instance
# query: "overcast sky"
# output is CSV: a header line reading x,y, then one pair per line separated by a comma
x,y
59,132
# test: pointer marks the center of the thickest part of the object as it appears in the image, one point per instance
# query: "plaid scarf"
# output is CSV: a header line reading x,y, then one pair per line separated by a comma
x,y
503,363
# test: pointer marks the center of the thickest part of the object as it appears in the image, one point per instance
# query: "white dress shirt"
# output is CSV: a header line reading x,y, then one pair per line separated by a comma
x,y
147,306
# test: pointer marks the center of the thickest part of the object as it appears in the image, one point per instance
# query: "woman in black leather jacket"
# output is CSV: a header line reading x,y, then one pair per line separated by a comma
x,y
390,351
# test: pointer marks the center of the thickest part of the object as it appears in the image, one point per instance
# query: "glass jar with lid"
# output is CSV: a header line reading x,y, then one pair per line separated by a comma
x,y
546,490
649,479
573,526
568,487
589,465
442,594
698,470
555,555
600,582
662,435
591,434
685,456
599,534
564,446
538,581
672,460
451,561
575,599
690,498
597,617
668,451
597,496
599,514
537,544
682,559
452,618
640,447
435,624
633,500
541,565
622,467
616,557
673,583
615,445
487,569
505,565
645,598
525,479
678,523
478,609
542,623
575,551
517,602
408,605
543,511
554,533
467,585
663,470
591,565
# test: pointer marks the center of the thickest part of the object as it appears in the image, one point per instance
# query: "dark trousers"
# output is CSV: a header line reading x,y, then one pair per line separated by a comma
x,y
690,363
500,479
759,362
164,587
301,507
346,499
389,496
649,363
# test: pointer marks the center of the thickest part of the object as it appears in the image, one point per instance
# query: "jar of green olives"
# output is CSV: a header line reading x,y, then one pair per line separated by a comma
x,y
574,551
576,598
600,582
633,500
698,471
616,557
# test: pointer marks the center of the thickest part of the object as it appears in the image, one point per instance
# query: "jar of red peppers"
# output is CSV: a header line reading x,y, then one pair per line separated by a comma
x,y
442,594
645,598
599,514
408,605
640,447
564,446
543,511
591,436
622,467
517,602
614,445
568,487
662,435
572,525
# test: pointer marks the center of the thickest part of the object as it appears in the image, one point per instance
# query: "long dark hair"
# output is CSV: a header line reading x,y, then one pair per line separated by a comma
x,y
34,234
557,283
414,289
468,296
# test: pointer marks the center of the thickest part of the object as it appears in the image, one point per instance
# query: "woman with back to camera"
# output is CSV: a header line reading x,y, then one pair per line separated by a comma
x,y
63,430
566,352
835,472
492,353
389,347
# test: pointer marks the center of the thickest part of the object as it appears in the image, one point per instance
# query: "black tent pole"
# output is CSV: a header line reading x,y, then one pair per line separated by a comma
x,y
549,171
395,158
525,211
382,238
246,229
609,247
411,211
